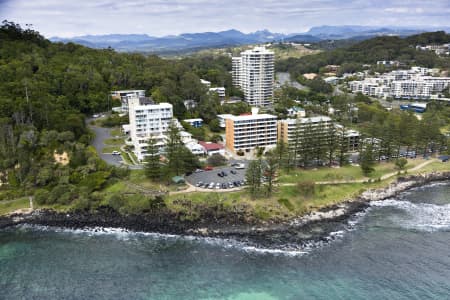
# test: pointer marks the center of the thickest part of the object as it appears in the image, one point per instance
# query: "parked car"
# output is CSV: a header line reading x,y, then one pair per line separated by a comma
x,y
208,168
240,166
115,153
200,183
220,174
211,185
224,173
233,172
217,186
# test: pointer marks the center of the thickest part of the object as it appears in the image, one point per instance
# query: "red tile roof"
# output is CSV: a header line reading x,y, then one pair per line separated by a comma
x,y
211,146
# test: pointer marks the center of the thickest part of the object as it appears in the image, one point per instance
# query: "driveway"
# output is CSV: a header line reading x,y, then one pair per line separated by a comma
x,y
101,134
285,78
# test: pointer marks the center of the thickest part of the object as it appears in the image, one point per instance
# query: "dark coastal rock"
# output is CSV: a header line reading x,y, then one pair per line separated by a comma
x,y
316,227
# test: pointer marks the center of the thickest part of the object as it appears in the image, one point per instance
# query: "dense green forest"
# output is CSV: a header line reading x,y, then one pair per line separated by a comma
x,y
47,89
369,52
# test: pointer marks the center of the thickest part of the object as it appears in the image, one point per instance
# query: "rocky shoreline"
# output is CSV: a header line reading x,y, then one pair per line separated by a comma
x,y
317,227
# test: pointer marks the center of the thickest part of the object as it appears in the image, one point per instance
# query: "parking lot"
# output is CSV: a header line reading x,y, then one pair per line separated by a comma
x,y
208,177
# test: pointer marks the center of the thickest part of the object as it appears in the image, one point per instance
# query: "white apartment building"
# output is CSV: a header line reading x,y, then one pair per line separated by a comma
x,y
250,131
125,95
411,84
148,120
253,72
222,119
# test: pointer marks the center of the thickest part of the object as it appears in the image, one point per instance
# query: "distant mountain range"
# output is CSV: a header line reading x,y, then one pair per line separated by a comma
x,y
192,41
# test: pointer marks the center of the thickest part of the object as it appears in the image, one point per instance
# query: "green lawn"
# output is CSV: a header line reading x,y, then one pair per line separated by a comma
x,y
286,201
343,173
114,142
9,206
126,158
116,132
437,166
110,149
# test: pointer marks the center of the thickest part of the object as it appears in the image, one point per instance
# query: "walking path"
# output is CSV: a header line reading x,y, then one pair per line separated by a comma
x,y
192,189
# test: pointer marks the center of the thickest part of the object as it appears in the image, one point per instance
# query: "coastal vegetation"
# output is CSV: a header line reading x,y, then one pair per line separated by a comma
x,y
48,89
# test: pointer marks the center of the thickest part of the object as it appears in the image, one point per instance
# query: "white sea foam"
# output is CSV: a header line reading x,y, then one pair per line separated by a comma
x,y
124,234
419,216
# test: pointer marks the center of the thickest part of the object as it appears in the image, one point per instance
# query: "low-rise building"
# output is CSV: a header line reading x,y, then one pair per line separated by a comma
x,y
190,104
212,148
220,91
206,83
196,123
125,95
195,148
296,111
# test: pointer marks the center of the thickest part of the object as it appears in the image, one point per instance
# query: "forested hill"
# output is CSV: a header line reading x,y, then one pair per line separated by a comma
x,y
47,89
370,51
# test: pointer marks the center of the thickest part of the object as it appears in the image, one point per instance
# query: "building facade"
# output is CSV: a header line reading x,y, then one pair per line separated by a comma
x,y
415,83
244,133
148,120
291,129
253,72
125,95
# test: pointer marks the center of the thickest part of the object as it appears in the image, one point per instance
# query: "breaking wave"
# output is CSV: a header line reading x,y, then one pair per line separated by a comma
x,y
418,216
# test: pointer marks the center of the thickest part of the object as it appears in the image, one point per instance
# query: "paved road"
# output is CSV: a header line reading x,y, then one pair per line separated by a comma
x,y
285,78
101,134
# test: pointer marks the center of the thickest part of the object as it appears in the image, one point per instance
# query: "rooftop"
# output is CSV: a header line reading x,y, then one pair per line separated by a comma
x,y
210,146
252,117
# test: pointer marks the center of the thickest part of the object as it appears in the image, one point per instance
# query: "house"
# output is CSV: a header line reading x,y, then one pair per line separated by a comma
x,y
206,83
331,80
186,137
190,104
212,148
195,148
310,76
296,111
220,91
196,123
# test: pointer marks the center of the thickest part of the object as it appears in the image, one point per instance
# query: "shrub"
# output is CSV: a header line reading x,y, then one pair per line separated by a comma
x,y
57,192
216,160
307,188
116,202
286,203
41,196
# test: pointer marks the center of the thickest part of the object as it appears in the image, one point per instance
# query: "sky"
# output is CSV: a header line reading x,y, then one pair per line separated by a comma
x,y
65,18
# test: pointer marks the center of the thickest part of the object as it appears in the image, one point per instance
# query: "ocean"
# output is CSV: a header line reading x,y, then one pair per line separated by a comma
x,y
397,249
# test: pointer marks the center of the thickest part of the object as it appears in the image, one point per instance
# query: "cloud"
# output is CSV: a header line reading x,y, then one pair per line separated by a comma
x,y
162,17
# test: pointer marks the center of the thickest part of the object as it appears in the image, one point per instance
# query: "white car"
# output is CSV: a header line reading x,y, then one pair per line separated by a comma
x,y
240,166
115,153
